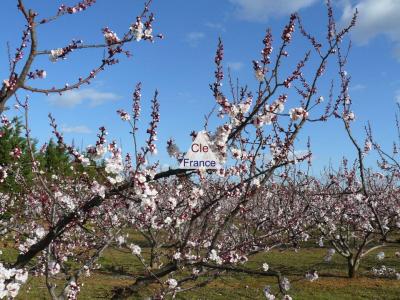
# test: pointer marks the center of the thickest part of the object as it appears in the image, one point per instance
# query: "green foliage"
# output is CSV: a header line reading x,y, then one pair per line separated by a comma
x,y
54,160
12,137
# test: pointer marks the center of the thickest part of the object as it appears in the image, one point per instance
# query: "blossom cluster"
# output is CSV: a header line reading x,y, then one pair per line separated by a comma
x,y
11,281
387,272
142,31
269,113
81,6
173,149
110,36
114,164
289,29
311,276
61,53
219,140
298,113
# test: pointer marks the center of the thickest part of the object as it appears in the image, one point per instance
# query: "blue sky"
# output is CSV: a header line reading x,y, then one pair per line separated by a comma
x,y
181,66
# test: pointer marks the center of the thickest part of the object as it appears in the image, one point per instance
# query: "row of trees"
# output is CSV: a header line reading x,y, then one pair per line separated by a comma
x,y
15,158
61,204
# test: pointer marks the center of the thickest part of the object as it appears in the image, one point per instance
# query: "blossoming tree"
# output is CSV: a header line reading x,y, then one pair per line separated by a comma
x,y
207,222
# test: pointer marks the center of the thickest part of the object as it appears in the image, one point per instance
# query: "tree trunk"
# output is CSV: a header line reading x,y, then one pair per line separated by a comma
x,y
353,267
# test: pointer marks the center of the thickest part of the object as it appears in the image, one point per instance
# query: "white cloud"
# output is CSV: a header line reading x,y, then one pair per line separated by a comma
x,y
73,98
375,18
261,10
75,129
194,38
235,65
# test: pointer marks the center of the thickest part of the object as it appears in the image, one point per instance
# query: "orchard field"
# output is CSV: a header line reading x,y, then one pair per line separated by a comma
x,y
118,267
289,189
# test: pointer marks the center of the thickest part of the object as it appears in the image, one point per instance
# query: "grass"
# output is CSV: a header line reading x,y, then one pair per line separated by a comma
x,y
116,266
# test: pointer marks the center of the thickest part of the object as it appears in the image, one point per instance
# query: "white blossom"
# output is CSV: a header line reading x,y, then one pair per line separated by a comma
x,y
268,294
173,149
21,276
312,276
148,32
265,267
298,113
137,30
195,271
54,267
40,232
214,257
172,283
100,150
98,189
55,54
285,283
114,164
110,37
13,289
42,74
68,201
136,250
349,116
259,74
120,240
177,255
172,202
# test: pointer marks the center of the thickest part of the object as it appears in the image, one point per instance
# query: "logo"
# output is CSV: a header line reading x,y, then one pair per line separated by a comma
x,y
200,155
